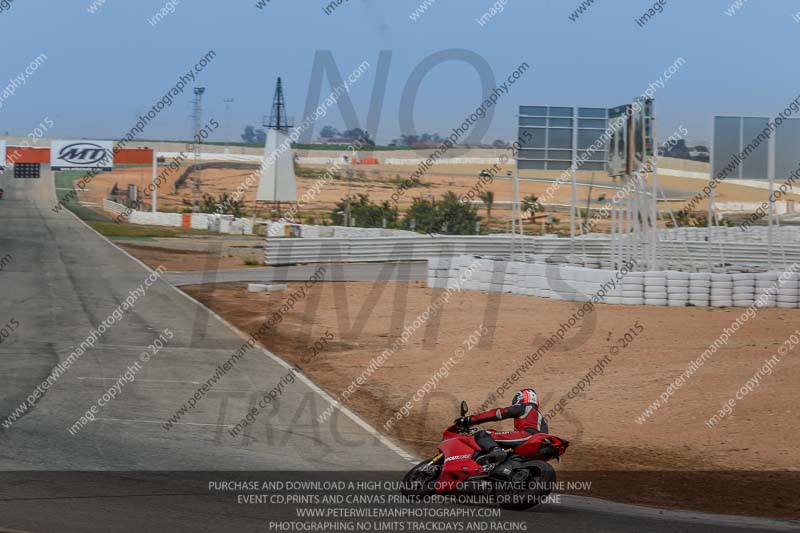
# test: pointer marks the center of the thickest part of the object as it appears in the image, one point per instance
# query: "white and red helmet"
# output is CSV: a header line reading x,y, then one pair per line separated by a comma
x,y
526,396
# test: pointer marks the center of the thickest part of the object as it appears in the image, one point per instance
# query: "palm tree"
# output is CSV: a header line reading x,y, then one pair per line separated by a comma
x,y
487,197
531,203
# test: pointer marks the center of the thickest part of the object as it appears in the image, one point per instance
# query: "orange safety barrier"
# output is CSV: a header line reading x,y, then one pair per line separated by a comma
x,y
134,156
368,161
16,154
126,156
186,220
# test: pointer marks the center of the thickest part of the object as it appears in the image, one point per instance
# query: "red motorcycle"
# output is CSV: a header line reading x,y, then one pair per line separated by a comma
x,y
518,483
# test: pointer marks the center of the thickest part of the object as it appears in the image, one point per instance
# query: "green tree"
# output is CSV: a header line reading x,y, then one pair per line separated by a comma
x,y
531,203
357,134
455,217
487,197
329,131
365,213
699,220
423,213
447,215
252,135
224,205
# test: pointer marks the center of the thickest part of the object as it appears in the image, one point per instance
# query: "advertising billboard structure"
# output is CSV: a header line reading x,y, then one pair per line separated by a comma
x,y
631,143
753,148
556,138
619,120
82,155
619,141
559,138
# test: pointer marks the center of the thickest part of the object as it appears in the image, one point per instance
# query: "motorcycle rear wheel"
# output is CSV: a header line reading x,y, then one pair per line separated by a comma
x,y
421,480
541,480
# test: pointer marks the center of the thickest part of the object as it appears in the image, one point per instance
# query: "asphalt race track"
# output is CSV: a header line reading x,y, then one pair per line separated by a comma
x,y
62,282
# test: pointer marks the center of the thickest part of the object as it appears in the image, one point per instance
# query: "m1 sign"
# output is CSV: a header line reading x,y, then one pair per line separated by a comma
x,y
81,155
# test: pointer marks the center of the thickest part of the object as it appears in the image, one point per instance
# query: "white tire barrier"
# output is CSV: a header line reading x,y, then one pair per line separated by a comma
x,y
788,296
721,294
580,284
766,293
632,292
744,287
655,288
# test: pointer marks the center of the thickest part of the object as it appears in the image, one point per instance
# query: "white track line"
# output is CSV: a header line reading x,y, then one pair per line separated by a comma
x,y
310,384
583,503
170,381
148,380
141,421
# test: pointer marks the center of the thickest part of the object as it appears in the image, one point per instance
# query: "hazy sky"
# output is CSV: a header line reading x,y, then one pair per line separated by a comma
x,y
105,68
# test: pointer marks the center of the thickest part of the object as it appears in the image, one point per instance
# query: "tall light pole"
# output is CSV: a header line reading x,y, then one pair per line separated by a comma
x,y
349,188
197,125
228,102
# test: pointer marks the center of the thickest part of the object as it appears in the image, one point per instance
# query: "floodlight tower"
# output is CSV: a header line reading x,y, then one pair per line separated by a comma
x,y
228,102
197,125
278,120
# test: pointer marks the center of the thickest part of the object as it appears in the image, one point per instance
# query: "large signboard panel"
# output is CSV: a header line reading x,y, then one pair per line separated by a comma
x,y
547,135
632,137
82,155
643,133
741,148
787,149
618,160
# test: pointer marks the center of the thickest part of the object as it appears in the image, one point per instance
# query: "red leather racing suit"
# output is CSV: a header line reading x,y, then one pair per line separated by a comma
x,y
527,422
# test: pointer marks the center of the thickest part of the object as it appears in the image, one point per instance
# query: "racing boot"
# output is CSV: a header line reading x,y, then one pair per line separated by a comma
x,y
495,455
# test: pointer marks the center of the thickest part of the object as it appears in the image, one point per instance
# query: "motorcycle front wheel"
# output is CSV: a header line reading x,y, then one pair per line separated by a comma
x,y
421,480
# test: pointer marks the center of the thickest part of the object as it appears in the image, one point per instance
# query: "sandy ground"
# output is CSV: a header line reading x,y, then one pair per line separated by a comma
x,y
380,181
185,260
654,463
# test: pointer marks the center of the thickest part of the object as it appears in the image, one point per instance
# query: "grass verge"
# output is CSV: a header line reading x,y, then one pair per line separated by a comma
x,y
105,225
137,231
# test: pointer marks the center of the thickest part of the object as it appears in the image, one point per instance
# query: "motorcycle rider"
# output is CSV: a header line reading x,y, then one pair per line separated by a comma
x,y
528,421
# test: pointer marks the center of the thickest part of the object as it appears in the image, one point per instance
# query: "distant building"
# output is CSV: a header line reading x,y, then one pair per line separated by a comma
x,y
693,151
699,153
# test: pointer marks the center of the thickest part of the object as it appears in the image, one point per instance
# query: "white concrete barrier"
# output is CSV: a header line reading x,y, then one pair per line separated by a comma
x,y
204,221
311,231
687,251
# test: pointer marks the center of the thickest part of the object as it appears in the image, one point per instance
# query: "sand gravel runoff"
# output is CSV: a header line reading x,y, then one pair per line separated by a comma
x,y
745,464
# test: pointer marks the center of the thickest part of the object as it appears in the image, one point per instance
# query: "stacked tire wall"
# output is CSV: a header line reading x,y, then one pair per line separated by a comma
x,y
577,283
